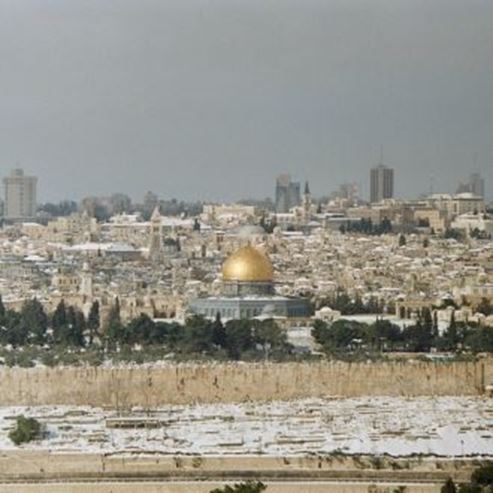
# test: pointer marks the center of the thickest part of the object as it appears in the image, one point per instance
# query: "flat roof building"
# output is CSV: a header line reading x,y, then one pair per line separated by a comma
x,y
20,196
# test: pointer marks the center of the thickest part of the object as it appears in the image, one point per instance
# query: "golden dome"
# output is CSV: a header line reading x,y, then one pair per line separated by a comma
x,y
248,264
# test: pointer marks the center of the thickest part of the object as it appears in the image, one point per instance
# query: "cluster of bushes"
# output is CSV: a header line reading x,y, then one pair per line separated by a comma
x,y
351,336
366,226
485,307
236,339
248,487
481,481
343,303
31,325
26,430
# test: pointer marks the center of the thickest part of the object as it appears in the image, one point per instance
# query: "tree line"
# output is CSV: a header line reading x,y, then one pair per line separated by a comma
x,y
343,303
481,481
367,227
384,336
235,339
68,327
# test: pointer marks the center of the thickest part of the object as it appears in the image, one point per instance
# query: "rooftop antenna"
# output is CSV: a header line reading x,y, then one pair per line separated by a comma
x,y
381,153
431,184
475,161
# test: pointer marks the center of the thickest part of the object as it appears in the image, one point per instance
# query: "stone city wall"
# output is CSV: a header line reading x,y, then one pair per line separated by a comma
x,y
208,383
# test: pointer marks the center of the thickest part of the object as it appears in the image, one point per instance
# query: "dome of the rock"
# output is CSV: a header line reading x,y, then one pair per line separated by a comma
x,y
248,264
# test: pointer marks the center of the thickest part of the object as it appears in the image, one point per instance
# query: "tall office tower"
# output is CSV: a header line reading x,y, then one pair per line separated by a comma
x,y
476,184
20,196
287,193
381,183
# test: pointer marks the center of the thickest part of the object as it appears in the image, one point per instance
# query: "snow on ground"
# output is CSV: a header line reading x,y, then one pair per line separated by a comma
x,y
447,426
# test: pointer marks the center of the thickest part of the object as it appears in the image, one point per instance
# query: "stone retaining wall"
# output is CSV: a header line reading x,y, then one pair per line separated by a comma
x,y
209,383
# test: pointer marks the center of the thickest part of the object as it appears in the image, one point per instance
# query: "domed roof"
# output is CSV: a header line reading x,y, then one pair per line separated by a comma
x,y
249,230
248,264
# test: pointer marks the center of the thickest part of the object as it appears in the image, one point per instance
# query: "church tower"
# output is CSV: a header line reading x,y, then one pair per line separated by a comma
x,y
307,203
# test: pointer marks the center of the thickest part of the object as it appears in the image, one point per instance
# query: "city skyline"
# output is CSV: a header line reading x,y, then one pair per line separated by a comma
x,y
212,101
363,190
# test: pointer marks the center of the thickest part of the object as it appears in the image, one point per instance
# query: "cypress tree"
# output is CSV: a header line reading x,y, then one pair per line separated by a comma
x,y
452,330
34,320
435,324
93,321
114,326
78,328
448,487
59,321
2,312
218,331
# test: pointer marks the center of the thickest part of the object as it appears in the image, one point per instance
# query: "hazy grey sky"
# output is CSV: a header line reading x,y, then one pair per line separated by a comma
x,y
211,99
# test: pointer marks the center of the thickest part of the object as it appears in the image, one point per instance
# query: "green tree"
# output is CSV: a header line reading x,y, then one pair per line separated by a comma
x,y
434,328
449,487
386,333
93,321
167,333
14,332
79,328
483,476
114,328
450,334
218,331
485,307
2,312
268,336
470,488
34,321
428,326
386,225
140,330
417,337
239,337
197,336
341,335
454,234
26,430
71,333
480,339
402,240
59,322
248,487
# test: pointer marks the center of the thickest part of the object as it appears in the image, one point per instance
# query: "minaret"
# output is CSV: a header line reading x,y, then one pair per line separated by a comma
x,y
307,202
156,237
85,288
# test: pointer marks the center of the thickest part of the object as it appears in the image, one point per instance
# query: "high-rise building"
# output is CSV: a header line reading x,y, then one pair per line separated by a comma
x,y
287,193
20,196
476,184
381,183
